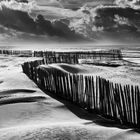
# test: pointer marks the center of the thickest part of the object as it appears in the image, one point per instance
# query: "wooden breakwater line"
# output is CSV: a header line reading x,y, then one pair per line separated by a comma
x,y
81,54
28,53
98,94
75,56
67,57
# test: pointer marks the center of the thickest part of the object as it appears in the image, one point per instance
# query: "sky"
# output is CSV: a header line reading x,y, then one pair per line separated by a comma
x,y
70,21
73,4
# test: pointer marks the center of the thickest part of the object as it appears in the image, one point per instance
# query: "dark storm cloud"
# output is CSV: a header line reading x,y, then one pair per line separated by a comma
x,y
118,19
21,21
118,23
88,23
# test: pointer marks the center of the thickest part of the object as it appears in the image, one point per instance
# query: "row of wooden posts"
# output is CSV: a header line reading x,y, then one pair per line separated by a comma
x,y
93,93
81,54
73,57
67,57
28,53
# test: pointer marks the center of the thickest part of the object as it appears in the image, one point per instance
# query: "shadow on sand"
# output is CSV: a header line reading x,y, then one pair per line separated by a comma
x,y
15,96
91,116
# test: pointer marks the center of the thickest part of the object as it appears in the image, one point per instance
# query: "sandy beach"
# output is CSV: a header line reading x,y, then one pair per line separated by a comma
x,y
89,55
29,113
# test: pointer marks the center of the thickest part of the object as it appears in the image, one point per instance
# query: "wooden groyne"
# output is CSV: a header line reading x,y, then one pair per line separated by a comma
x,y
81,54
28,53
74,57
67,57
109,99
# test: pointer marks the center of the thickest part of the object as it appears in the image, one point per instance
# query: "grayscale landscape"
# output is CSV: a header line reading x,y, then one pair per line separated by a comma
x,y
69,70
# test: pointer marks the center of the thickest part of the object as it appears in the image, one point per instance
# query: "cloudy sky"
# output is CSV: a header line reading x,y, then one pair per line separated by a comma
x,y
73,4
70,20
